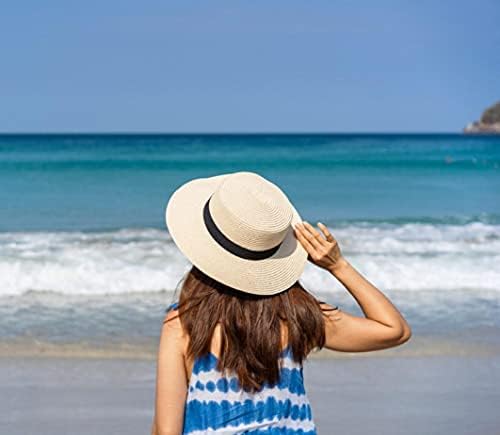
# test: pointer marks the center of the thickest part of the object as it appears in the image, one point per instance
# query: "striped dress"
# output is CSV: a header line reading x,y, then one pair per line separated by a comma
x,y
216,404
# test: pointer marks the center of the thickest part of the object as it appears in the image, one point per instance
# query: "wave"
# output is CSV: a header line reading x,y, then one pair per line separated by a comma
x,y
411,257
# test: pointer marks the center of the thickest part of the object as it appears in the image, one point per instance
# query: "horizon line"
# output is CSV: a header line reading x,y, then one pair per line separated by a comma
x,y
237,133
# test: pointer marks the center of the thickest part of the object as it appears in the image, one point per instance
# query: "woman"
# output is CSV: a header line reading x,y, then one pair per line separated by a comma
x,y
231,349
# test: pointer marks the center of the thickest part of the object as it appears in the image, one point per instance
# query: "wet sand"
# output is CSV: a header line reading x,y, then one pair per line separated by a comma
x,y
350,395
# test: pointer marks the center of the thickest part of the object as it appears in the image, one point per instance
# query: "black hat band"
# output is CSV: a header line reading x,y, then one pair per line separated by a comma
x,y
229,245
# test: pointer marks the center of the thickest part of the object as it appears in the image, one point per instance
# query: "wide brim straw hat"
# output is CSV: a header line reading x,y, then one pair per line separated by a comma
x,y
237,228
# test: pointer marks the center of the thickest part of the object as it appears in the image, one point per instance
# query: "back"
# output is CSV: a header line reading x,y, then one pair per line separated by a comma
x,y
217,404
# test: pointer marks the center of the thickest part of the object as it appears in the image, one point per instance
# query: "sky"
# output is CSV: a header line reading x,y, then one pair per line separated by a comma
x,y
247,66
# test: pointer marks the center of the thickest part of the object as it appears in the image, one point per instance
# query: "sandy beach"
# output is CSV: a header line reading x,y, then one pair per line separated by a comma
x,y
351,394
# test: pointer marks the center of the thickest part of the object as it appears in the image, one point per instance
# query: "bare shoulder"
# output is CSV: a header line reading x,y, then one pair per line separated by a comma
x,y
172,320
331,312
172,332
334,319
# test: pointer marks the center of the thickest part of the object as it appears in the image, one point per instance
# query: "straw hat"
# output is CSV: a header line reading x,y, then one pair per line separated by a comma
x,y
237,229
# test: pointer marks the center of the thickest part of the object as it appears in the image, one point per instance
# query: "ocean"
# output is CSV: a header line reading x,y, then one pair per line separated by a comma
x,y
87,264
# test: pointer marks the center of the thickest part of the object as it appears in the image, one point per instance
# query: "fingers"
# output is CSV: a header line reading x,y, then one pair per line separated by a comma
x,y
317,236
311,235
325,231
303,240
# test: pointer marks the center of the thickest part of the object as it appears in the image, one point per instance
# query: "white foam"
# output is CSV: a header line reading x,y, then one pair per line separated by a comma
x,y
409,257
81,263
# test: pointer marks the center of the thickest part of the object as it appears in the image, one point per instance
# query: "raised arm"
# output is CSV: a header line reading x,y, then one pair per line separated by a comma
x,y
383,325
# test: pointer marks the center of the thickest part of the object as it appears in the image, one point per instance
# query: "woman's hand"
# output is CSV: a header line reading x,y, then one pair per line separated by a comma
x,y
323,251
383,325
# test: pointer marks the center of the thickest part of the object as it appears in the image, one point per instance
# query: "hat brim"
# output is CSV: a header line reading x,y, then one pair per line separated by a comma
x,y
184,219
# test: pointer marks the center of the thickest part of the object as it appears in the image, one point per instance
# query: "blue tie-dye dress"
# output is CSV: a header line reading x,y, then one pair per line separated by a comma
x,y
216,404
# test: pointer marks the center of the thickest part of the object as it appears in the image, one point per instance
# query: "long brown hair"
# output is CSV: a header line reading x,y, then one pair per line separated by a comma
x,y
250,326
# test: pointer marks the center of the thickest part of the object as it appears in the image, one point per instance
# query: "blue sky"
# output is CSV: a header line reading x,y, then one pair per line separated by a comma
x,y
247,66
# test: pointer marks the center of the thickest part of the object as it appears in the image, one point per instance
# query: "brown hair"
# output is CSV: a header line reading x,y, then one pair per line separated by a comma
x,y
250,326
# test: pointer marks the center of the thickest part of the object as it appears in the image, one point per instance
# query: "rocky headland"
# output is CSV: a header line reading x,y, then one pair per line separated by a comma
x,y
488,123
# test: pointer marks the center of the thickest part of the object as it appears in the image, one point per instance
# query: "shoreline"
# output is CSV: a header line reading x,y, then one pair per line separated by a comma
x,y
418,346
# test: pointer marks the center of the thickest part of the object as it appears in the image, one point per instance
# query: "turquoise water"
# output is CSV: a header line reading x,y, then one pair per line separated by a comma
x,y
109,182
82,231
